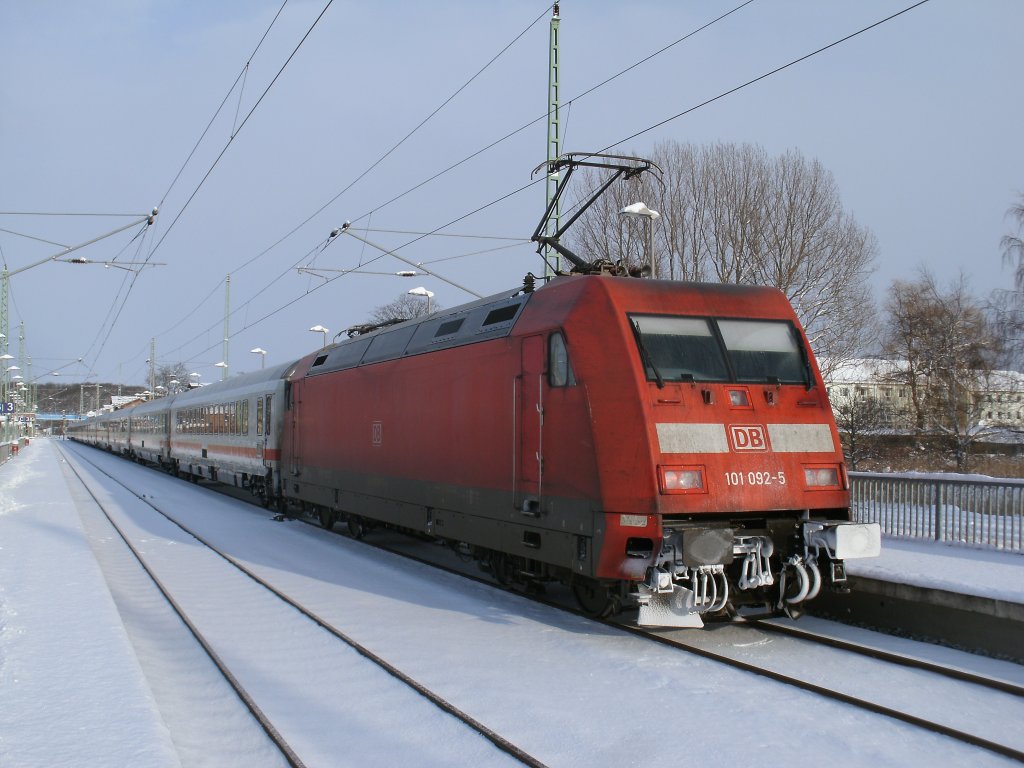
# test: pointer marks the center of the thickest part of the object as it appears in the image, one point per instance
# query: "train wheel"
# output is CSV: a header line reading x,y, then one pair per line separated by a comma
x,y
356,526
596,599
502,569
327,518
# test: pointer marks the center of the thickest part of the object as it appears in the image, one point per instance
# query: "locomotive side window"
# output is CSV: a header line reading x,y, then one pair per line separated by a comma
x,y
679,348
763,351
560,373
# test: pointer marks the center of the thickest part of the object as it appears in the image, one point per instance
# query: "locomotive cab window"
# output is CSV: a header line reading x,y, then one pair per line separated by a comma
x,y
560,373
764,351
678,348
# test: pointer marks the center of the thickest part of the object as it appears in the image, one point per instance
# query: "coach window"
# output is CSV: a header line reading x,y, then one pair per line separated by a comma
x,y
560,373
259,415
266,413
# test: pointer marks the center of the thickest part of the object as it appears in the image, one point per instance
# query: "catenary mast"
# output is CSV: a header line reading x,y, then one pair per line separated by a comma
x,y
554,140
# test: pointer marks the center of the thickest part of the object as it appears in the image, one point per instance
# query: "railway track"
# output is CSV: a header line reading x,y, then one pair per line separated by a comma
x,y
712,645
682,640
265,722
904,660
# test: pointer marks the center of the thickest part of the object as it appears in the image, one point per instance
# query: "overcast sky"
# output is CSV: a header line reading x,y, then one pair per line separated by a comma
x,y
101,103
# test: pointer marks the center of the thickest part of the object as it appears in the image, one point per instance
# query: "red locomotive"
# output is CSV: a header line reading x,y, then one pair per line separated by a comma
x,y
664,443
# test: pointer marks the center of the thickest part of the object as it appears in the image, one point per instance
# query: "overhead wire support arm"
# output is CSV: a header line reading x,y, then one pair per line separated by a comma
x,y
146,219
346,229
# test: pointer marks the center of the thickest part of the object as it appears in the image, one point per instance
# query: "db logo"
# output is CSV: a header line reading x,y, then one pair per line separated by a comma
x,y
748,438
377,434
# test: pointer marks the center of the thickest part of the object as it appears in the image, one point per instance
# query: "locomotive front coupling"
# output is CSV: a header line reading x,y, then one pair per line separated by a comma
x,y
704,570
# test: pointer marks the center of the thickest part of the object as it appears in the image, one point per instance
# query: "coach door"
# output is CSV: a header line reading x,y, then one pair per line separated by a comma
x,y
530,415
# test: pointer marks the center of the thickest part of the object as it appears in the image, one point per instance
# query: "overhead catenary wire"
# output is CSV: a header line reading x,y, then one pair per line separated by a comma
x,y
765,75
705,26
328,281
235,133
546,115
473,155
722,95
423,122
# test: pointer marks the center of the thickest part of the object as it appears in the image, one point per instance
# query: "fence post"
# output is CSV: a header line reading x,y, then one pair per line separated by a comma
x,y
938,511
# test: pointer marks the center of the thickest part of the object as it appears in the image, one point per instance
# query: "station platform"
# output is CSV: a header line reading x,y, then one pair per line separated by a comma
x,y
972,599
67,665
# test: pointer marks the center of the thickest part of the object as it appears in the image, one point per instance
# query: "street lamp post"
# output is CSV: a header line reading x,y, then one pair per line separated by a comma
x,y
324,331
641,210
421,291
263,355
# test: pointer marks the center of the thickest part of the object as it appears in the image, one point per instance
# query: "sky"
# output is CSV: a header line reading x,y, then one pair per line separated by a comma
x,y
83,634
343,117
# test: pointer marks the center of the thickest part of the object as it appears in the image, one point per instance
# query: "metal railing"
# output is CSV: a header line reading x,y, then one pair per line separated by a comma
x,y
980,513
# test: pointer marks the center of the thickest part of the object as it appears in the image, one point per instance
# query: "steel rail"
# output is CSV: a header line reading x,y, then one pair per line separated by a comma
x,y
441,703
261,718
895,658
823,691
648,634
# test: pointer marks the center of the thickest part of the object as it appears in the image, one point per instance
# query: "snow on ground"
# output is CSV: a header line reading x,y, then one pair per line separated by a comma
x,y
73,690
935,565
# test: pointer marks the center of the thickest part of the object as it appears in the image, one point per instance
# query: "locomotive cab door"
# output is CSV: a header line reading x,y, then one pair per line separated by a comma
x,y
530,416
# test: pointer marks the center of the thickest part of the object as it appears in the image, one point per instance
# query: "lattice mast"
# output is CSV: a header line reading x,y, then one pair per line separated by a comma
x,y
554,143
5,330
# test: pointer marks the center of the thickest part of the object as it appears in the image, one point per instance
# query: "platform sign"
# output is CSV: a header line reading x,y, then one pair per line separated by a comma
x,y
7,407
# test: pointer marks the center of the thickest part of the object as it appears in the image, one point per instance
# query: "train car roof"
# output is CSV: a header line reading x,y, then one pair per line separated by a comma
x,y
230,388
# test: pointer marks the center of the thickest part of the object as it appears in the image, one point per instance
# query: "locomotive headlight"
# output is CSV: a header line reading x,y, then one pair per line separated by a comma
x,y
821,477
682,479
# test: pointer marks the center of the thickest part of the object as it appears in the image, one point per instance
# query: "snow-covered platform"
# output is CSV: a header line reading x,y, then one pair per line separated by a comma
x,y
970,598
69,676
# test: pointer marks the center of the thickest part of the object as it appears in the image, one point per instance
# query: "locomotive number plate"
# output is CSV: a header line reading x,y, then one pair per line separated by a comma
x,y
755,478
633,521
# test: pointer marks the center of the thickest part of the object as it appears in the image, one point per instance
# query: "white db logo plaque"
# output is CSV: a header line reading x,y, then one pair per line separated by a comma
x,y
748,438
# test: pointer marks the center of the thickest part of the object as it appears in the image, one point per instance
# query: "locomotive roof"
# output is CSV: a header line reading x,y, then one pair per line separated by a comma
x,y
489,318
494,316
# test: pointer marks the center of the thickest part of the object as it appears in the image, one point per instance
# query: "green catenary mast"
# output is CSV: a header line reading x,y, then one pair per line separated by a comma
x,y
554,140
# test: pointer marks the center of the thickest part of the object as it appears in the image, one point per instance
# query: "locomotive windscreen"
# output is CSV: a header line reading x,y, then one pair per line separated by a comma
x,y
711,349
760,350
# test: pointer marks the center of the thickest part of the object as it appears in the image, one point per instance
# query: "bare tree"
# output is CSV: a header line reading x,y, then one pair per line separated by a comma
x,y
176,372
405,307
733,214
1006,314
951,353
862,421
907,329
1013,244
1008,306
